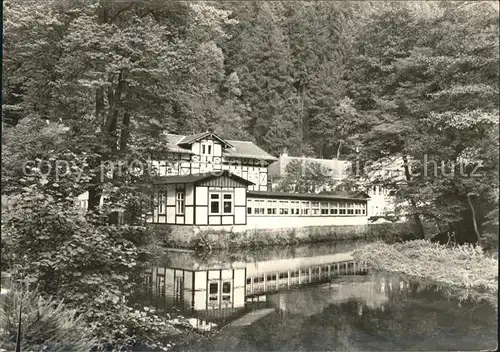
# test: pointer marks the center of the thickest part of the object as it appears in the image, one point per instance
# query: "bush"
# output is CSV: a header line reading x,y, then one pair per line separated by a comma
x,y
63,254
46,324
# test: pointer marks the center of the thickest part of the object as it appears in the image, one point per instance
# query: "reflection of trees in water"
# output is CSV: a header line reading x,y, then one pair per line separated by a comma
x,y
430,288
414,323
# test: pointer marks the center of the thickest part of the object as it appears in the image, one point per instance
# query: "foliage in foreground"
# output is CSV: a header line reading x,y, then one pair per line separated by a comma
x,y
47,324
64,255
465,266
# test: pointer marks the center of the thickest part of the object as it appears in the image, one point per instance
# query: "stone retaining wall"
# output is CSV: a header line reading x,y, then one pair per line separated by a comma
x,y
195,236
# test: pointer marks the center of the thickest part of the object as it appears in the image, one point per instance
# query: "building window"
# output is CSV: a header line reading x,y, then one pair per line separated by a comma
x,y
228,203
152,203
249,206
262,204
334,208
256,206
213,292
342,210
315,208
324,208
221,202
226,291
206,149
350,208
271,277
161,205
259,279
256,209
214,203
272,207
283,207
179,203
305,207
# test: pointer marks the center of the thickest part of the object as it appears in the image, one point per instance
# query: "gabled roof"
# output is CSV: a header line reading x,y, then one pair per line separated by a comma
x,y
195,178
188,140
244,149
235,149
172,140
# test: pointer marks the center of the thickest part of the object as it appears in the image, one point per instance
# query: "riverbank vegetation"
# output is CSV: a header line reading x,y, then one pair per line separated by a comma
x,y
468,269
191,238
88,83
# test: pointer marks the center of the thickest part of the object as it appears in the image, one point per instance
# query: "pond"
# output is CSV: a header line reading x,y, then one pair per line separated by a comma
x,y
310,298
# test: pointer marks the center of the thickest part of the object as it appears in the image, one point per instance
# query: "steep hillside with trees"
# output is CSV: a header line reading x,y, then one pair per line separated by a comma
x,y
86,82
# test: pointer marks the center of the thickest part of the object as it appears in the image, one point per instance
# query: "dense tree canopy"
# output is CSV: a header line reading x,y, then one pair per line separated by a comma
x,y
428,75
98,80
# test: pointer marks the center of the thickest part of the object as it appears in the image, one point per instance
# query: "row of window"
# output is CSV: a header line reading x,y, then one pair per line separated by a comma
x,y
304,208
221,202
313,271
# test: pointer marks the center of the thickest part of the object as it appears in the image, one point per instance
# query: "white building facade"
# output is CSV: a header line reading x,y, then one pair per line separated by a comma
x,y
380,203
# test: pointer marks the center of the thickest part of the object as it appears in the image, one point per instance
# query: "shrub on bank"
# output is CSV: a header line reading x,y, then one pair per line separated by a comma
x,y
46,324
463,266
63,254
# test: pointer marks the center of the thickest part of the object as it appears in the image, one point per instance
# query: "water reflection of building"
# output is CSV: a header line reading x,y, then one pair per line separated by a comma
x,y
221,292
265,281
213,293
217,289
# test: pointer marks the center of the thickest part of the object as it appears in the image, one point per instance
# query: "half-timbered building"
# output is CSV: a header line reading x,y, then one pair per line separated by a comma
x,y
206,181
207,152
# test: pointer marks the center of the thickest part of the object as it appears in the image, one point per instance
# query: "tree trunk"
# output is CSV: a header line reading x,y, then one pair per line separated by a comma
x,y
95,189
416,217
474,221
338,149
301,116
125,132
95,192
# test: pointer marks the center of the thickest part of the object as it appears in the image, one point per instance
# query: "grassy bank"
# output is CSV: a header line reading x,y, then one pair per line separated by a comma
x,y
464,267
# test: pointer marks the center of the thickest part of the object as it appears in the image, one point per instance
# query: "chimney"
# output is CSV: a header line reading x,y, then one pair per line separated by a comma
x,y
283,162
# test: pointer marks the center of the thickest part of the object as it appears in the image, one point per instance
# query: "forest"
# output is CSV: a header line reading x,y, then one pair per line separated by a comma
x,y
85,81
